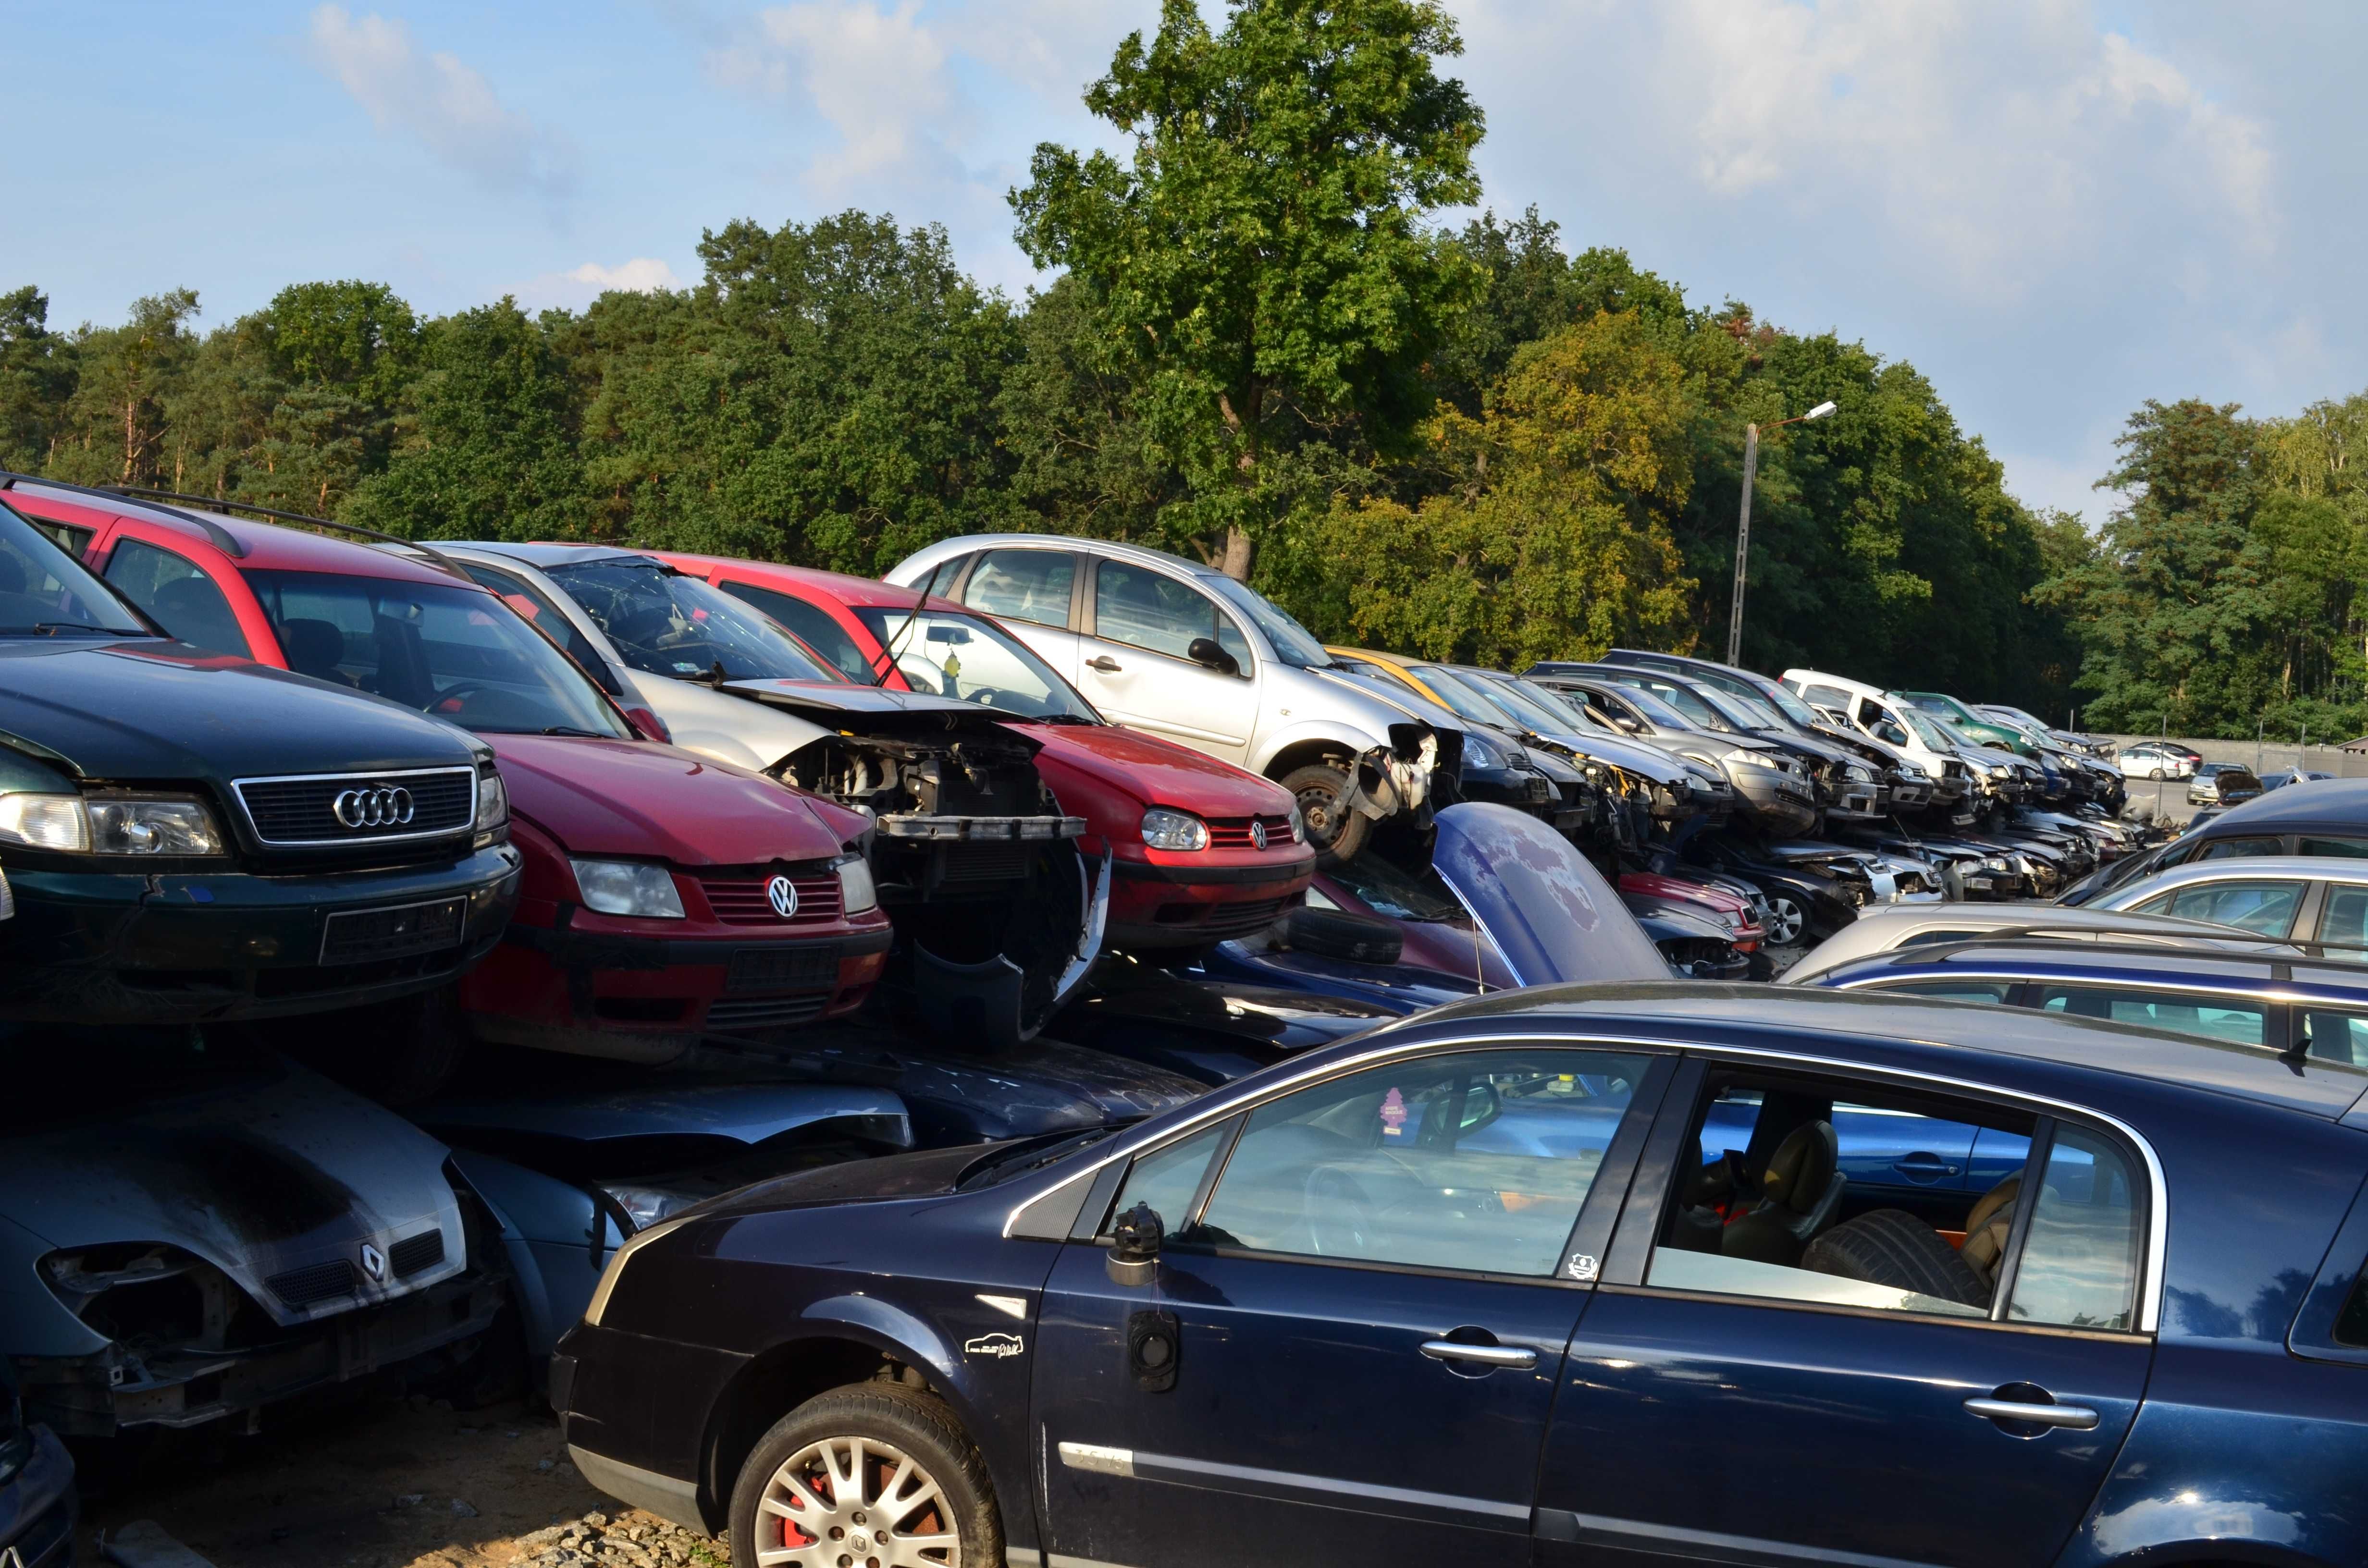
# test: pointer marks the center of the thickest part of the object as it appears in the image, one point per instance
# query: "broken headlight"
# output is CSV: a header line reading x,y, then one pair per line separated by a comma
x,y
1164,829
110,825
628,887
645,1206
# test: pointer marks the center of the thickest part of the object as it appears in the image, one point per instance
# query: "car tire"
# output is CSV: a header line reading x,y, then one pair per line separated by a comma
x,y
894,1424
2155,776
1893,1247
1339,834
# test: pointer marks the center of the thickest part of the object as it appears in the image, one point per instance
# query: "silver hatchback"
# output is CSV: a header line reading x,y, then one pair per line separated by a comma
x,y
1181,649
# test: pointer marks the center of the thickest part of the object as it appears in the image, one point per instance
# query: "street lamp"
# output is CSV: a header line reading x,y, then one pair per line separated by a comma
x,y
1743,526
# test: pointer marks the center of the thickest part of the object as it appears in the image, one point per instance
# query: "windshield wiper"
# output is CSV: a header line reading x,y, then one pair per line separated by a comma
x,y
52,628
571,730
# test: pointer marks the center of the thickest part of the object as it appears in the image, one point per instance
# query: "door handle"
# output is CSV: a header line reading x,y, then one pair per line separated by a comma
x,y
1486,1354
2078,1417
1927,1165
1105,664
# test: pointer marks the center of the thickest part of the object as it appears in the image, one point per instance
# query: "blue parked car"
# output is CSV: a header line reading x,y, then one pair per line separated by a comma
x,y
1566,1274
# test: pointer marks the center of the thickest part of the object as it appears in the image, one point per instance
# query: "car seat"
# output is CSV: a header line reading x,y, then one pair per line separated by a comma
x,y
1987,1227
1800,1190
313,648
192,610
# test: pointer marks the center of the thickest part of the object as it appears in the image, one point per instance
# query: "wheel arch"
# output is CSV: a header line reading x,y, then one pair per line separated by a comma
x,y
1310,745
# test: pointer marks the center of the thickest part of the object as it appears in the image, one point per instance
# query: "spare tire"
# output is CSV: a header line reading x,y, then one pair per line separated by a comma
x,y
1893,1247
1338,933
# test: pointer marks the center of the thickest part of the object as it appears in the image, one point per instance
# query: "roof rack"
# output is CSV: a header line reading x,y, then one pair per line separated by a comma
x,y
437,556
221,537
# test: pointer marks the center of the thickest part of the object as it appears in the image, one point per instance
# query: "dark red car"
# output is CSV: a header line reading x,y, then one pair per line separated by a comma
x,y
1200,850
664,895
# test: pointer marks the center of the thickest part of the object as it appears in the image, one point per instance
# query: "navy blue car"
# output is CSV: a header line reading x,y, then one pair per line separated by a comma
x,y
1564,1275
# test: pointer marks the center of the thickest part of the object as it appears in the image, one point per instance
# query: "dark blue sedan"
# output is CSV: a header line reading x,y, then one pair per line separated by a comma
x,y
1564,1275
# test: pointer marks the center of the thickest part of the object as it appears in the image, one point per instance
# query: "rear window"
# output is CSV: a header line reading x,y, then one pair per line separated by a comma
x,y
2338,849
1023,585
2232,1020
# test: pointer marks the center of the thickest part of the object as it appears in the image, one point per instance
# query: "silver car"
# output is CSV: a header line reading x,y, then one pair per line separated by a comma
x,y
2320,902
1886,930
1181,649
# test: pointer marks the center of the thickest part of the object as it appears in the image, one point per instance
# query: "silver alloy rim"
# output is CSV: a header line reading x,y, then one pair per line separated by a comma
x,y
854,1503
1789,921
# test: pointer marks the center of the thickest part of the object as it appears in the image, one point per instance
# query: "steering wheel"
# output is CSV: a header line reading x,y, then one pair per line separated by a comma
x,y
1339,1215
984,696
454,693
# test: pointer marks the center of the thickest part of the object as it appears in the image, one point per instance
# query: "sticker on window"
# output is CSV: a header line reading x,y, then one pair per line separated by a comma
x,y
1394,1114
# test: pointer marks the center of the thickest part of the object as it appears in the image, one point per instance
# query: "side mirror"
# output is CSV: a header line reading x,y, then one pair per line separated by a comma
x,y
1204,651
651,726
1134,1258
1623,722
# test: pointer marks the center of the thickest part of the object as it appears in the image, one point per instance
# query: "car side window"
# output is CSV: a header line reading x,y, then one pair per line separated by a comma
x,y
1023,585
178,595
2232,1020
1844,1194
1168,1178
2336,849
2265,907
2328,1036
2081,1261
1990,991
810,624
1477,1161
2236,848
73,539
1149,609
540,612
2343,928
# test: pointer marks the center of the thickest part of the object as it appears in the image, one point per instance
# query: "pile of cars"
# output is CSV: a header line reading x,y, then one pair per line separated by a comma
x,y
397,938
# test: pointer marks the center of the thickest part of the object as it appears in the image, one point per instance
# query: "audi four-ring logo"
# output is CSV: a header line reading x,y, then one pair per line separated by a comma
x,y
782,894
384,806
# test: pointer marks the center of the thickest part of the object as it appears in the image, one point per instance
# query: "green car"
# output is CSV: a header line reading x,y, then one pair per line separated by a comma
x,y
189,838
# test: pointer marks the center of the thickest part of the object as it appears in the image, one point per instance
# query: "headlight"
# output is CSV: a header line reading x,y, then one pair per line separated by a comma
x,y
1298,826
1755,758
1858,775
1702,784
855,891
1996,770
1996,863
645,1206
1164,829
119,825
492,808
1480,753
627,887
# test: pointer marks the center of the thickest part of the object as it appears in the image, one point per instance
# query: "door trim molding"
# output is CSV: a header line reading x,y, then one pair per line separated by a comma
x,y
1295,1486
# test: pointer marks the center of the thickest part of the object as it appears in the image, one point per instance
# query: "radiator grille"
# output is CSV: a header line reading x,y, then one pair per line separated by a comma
x,y
767,1013
417,1255
745,900
302,812
1233,832
320,1282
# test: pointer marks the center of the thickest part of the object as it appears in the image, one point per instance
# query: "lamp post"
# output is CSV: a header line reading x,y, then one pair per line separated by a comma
x,y
1743,524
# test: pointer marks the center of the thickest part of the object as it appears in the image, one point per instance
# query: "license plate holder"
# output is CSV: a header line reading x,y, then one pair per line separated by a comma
x,y
396,931
802,967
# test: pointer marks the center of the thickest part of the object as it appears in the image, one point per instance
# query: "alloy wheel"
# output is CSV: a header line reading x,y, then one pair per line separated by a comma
x,y
855,1503
1787,921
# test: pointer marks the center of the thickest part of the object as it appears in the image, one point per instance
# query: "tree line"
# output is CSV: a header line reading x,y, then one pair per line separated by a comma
x,y
1258,347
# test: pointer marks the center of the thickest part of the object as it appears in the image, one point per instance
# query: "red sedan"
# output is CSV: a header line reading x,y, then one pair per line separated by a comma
x,y
1200,850
664,895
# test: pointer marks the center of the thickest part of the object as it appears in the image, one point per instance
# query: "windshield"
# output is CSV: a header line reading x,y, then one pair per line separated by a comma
x,y
458,652
1926,731
1461,700
44,592
1792,707
964,656
1293,642
1751,711
1946,707
664,623
1699,712
1658,713
1541,712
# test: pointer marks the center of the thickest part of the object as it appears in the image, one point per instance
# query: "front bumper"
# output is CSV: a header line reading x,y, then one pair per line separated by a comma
x,y
1780,802
1191,899
97,1396
133,948
39,1508
589,988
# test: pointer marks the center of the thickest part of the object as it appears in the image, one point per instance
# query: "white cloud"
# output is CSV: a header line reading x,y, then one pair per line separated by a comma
x,y
580,286
877,76
447,106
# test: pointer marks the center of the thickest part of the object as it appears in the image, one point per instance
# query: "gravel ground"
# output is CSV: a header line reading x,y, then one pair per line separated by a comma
x,y
395,1483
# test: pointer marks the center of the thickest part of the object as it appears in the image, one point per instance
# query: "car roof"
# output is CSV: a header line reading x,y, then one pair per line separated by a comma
x,y
1984,1034
844,586
2333,804
1115,549
546,554
2316,868
2328,979
267,547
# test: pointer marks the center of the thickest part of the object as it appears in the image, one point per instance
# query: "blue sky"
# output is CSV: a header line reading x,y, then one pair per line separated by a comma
x,y
2056,209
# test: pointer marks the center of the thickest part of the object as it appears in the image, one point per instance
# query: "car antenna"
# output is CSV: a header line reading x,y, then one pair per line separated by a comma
x,y
888,648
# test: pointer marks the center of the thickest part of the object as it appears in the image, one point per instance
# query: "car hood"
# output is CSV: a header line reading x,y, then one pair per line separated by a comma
x,y
1042,1085
637,798
1157,772
263,1170
1394,705
731,1112
165,711
1641,758
1549,914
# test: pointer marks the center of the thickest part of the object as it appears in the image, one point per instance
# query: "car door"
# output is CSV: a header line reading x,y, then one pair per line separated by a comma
x,y
1721,1401
1367,1290
179,595
2264,905
1033,592
1135,663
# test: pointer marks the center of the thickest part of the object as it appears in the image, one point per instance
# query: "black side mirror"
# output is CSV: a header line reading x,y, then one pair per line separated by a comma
x,y
1205,652
1134,1258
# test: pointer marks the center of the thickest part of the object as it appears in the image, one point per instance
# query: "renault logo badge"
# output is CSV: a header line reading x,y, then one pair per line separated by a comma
x,y
374,1263
782,894
1258,832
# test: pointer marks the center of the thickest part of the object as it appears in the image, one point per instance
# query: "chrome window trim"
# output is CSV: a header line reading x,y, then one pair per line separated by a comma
x,y
2150,1288
2272,994
238,793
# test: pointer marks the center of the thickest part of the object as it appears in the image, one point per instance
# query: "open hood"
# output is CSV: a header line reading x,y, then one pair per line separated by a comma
x,y
1549,914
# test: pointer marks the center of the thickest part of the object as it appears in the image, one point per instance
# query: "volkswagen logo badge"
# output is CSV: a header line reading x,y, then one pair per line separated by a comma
x,y
374,1263
1258,832
378,805
782,894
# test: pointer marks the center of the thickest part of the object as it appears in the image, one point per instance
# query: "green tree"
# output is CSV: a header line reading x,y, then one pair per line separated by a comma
x,y
36,374
1262,261
112,426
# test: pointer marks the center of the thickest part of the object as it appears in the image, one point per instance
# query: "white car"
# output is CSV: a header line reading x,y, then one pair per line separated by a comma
x,y
1882,931
2148,761
1181,649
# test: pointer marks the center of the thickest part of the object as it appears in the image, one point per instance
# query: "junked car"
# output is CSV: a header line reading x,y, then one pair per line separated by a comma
x,y
1169,645
39,1505
193,1229
191,836
1769,792
1498,765
1602,1237
1200,850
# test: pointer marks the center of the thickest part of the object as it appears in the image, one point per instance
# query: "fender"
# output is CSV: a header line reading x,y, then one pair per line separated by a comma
x,y
1350,738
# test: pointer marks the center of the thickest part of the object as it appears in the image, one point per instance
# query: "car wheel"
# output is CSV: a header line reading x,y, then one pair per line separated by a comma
x,y
866,1476
1322,792
1787,921
2155,776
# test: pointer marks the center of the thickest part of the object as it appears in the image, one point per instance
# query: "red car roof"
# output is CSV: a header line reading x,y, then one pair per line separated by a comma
x,y
844,586
268,546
